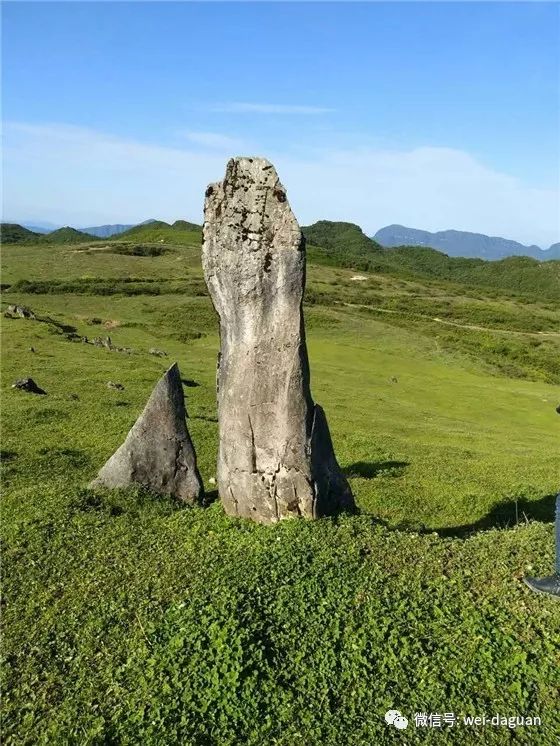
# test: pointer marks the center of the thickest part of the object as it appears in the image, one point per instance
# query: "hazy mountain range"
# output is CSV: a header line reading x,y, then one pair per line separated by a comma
x,y
462,243
104,231
101,231
451,242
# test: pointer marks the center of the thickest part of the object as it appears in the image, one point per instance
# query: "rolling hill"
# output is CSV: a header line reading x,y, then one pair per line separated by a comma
x,y
338,236
345,245
67,235
159,231
462,243
14,233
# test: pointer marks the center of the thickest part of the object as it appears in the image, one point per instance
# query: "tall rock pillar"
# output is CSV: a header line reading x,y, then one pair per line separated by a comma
x,y
276,458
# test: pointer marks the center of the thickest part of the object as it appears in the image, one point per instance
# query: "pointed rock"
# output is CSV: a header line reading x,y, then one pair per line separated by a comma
x,y
276,458
158,452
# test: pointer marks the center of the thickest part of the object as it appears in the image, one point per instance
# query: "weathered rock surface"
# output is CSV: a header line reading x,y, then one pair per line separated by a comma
x,y
276,458
21,311
158,452
29,385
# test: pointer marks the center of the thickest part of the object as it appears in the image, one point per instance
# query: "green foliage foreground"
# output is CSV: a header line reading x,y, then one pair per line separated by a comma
x,y
147,624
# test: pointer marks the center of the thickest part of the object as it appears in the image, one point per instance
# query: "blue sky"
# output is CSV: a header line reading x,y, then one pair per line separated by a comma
x,y
433,115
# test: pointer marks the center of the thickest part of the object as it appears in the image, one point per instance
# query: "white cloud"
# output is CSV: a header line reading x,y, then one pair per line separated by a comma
x,y
68,174
239,107
429,187
213,140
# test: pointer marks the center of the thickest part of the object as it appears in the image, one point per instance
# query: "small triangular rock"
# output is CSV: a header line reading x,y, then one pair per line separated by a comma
x,y
158,452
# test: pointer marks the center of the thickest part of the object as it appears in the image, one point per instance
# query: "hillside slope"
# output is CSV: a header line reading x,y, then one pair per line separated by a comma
x,y
344,244
14,233
340,237
158,231
67,235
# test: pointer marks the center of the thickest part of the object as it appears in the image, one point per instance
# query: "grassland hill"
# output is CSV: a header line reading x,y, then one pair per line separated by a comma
x,y
132,620
67,235
345,244
160,231
14,233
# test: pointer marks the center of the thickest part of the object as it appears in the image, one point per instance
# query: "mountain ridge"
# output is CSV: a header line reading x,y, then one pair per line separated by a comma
x,y
113,229
462,243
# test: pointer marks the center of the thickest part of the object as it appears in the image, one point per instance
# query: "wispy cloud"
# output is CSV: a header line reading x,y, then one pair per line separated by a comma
x,y
239,107
213,140
68,174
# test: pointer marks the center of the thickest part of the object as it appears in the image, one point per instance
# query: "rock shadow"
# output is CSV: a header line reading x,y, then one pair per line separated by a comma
x,y
189,383
71,456
372,469
210,497
63,328
8,455
506,514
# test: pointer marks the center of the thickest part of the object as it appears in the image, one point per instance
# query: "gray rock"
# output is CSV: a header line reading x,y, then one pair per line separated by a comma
x,y
157,353
29,385
158,452
21,311
276,458
103,342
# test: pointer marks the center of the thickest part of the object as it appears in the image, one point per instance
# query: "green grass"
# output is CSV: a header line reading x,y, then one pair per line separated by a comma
x,y
129,619
344,244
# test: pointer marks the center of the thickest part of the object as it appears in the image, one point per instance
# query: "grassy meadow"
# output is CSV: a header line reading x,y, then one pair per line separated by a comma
x,y
130,619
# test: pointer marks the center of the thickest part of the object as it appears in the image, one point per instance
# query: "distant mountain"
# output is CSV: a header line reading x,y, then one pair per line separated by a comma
x,y
67,235
39,228
14,233
104,231
158,231
150,231
460,243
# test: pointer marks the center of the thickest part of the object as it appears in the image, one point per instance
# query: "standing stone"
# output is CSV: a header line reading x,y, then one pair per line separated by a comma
x,y
158,452
276,458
